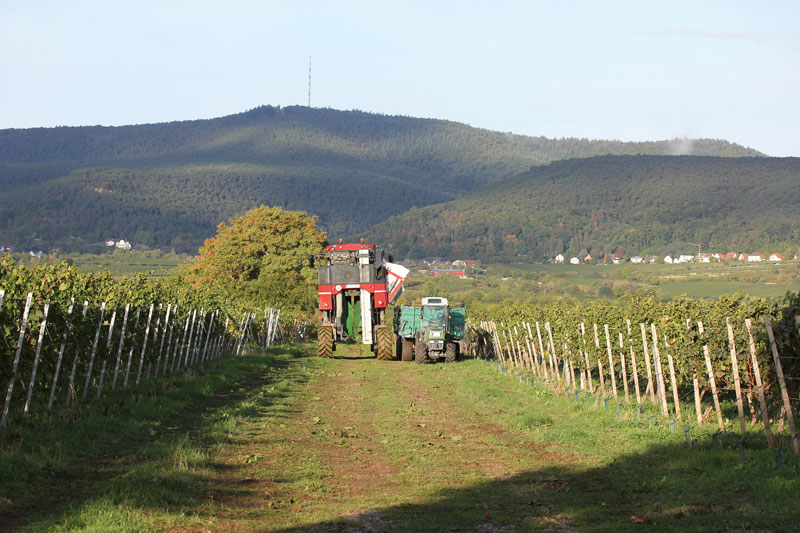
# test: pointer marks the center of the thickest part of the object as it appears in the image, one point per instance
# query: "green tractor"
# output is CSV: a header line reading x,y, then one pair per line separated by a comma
x,y
433,330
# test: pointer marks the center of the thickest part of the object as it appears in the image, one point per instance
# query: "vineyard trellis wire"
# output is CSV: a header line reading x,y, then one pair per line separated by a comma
x,y
749,357
71,353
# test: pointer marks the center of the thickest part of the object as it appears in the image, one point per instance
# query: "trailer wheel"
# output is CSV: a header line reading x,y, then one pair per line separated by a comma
x,y
450,352
420,352
325,341
407,349
384,338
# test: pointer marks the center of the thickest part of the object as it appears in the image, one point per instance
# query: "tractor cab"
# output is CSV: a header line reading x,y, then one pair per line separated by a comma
x,y
433,321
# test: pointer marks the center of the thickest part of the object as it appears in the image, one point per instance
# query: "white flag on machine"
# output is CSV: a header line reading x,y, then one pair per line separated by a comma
x,y
395,275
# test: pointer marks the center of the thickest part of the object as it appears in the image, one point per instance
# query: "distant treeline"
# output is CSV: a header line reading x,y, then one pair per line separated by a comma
x,y
643,204
169,185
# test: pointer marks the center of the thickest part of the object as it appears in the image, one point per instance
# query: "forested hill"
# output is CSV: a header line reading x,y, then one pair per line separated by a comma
x,y
646,204
171,184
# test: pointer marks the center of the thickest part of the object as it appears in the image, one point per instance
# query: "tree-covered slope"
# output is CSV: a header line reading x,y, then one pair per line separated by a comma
x,y
646,204
172,183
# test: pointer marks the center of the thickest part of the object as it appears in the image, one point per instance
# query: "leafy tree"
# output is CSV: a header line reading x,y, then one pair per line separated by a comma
x,y
262,256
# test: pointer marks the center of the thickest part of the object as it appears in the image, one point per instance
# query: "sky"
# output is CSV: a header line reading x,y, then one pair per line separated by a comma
x,y
632,71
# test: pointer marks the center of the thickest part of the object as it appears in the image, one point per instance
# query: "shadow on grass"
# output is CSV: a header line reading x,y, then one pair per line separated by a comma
x,y
143,447
667,488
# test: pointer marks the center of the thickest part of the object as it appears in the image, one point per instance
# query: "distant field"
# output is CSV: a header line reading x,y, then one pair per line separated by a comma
x,y
699,280
127,263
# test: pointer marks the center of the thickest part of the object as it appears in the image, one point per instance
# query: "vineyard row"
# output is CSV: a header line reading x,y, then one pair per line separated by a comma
x,y
575,359
61,356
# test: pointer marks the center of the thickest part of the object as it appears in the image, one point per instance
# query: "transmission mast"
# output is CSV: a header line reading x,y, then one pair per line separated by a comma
x,y
309,81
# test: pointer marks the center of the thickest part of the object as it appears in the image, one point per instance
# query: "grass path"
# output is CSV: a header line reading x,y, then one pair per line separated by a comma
x,y
288,442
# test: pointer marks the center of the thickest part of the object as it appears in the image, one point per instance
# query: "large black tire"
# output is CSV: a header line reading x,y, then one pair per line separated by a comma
x,y
325,341
450,352
406,349
384,342
398,346
420,352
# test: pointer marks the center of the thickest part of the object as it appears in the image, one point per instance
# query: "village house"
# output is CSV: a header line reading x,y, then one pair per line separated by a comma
x,y
637,260
559,259
447,272
684,258
755,257
669,260
574,261
775,257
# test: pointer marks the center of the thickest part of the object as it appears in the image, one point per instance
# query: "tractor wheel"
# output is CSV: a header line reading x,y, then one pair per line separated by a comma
x,y
384,343
325,341
450,352
420,352
407,350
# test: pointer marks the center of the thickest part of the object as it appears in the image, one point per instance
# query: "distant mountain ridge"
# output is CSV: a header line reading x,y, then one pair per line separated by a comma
x,y
645,204
170,184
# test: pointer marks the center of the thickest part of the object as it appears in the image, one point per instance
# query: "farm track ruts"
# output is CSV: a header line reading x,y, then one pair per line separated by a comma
x,y
376,430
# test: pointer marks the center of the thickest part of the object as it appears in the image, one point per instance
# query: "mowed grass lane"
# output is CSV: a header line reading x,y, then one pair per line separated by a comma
x,y
299,443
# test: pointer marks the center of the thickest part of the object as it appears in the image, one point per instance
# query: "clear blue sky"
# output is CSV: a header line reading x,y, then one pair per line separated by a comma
x,y
638,70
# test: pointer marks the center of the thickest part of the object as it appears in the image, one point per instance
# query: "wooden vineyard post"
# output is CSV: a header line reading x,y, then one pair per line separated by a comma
x,y
622,364
553,360
610,362
599,362
498,351
198,334
15,365
94,352
39,343
108,352
787,405
504,342
513,347
498,347
157,330
186,342
541,351
759,386
736,382
634,370
161,345
121,343
531,349
647,365
711,379
586,357
498,344
572,374
673,381
697,407
662,392
218,349
208,337
133,347
61,354
71,385
144,343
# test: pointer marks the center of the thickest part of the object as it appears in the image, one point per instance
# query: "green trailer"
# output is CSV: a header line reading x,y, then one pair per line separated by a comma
x,y
432,330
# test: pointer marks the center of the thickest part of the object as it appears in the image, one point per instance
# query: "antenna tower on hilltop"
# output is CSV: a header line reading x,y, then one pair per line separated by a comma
x,y
309,81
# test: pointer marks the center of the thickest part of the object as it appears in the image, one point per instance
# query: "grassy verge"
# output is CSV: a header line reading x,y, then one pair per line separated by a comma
x,y
144,460
285,442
